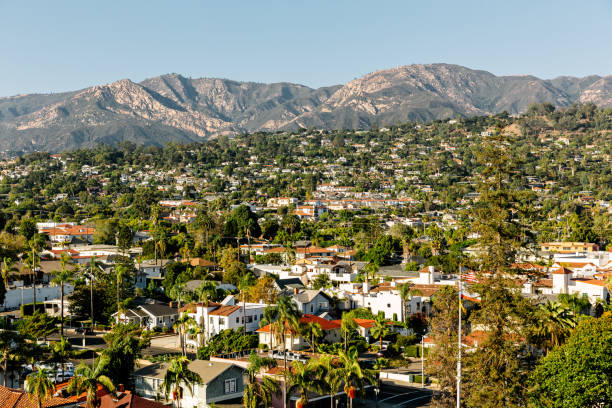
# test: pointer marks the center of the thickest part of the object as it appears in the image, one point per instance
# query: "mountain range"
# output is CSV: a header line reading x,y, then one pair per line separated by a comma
x,y
175,108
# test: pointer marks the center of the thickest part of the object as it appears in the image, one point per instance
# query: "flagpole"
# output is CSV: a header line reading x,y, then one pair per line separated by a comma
x,y
459,341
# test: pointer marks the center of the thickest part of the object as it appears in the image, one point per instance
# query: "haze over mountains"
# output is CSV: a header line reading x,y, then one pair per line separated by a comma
x,y
174,108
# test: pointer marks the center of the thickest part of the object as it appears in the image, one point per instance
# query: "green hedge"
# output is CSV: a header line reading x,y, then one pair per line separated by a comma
x,y
415,351
418,379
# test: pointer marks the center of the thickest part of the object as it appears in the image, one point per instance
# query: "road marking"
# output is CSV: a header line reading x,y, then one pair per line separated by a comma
x,y
414,399
398,395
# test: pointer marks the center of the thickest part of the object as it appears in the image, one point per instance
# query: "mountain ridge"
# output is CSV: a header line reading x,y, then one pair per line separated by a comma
x,y
172,107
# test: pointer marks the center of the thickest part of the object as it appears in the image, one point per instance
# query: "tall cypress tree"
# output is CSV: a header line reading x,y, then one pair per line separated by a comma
x,y
495,373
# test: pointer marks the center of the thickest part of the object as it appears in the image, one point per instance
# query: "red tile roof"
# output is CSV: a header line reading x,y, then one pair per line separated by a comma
x,y
308,318
13,398
224,311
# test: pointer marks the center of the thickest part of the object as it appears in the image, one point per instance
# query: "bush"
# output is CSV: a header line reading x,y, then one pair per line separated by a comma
x,y
418,379
164,329
228,341
404,341
262,346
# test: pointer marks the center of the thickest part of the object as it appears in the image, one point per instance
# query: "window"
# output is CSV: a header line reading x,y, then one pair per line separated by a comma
x,y
230,386
261,316
222,321
210,320
237,319
388,304
138,380
255,317
249,319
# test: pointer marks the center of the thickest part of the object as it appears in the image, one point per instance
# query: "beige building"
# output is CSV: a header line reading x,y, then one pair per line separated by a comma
x,y
568,247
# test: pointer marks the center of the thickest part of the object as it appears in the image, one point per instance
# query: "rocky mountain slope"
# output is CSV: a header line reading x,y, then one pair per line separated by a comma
x,y
175,108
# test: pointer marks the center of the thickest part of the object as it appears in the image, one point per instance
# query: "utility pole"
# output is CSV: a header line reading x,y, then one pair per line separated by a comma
x,y
459,341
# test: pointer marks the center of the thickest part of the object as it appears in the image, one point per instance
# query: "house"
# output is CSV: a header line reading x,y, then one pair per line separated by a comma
x,y
221,382
150,270
16,398
311,301
295,341
568,247
214,317
69,233
150,316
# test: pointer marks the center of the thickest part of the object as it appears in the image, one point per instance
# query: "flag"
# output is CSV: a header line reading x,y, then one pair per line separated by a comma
x,y
470,277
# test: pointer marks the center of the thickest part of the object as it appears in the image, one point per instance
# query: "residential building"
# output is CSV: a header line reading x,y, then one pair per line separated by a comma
x,y
221,382
569,247
150,316
294,341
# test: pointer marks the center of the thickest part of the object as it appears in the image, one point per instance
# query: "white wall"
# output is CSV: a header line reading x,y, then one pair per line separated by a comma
x,y
12,299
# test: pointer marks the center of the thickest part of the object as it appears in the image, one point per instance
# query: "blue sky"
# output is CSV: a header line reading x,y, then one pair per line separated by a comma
x,y
65,45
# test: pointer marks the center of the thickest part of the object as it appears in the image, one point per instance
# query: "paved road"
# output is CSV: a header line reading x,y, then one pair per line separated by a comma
x,y
394,395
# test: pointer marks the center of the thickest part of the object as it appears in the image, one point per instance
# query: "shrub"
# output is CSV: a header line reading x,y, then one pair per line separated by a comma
x,y
28,308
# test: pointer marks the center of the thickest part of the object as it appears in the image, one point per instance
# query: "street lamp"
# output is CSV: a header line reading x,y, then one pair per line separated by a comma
x,y
422,362
376,391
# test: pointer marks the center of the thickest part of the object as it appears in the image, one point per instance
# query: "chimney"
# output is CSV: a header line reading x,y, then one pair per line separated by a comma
x,y
296,291
366,286
121,388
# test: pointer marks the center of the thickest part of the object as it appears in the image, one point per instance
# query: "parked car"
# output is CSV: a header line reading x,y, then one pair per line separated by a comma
x,y
84,330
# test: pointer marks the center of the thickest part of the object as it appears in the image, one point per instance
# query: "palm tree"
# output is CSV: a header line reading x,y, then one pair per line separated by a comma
x,y
204,294
11,343
379,329
407,291
288,318
258,393
352,374
182,325
60,352
121,272
39,386
94,265
311,331
7,269
177,292
332,374
554,323
61,278
33,263
86,378
177,376
303,378
347,326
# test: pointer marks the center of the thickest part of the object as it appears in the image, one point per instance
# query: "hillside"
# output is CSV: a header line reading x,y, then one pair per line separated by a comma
x,y
174,108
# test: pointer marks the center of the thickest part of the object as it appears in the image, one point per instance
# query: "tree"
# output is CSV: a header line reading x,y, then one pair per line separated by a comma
x,y
86,379
121,272
553,324
577,373
312,332
11,344
380,329
259,393
353,375
60,278
33,263
8,269
39,386
60,352
332,374
442,358
287,320
233,269
178,376
263,290
182,325
321,281
39,325
124,345
407,291
347,326
303,378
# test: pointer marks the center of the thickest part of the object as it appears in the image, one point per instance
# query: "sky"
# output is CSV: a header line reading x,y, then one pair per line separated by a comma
x,y
53,46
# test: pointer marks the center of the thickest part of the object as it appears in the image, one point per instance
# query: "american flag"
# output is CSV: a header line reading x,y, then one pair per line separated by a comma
x,y
470,277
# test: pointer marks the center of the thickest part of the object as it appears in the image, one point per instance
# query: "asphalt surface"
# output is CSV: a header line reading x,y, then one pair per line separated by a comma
x,y
401,396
